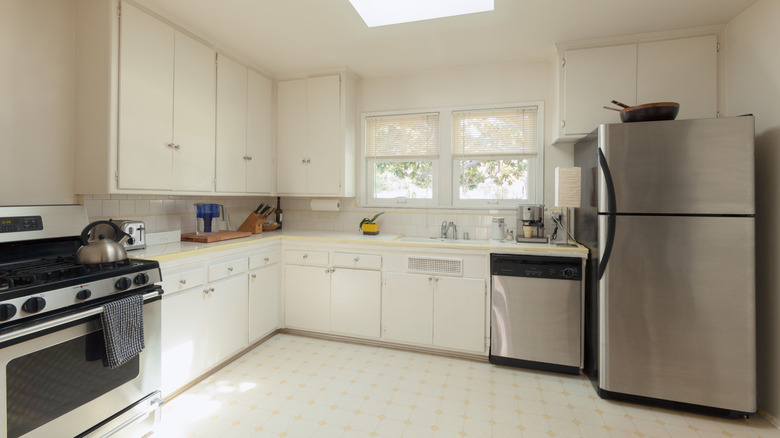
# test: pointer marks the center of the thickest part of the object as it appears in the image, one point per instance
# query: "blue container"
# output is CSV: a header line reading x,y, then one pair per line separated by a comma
x,y
205,213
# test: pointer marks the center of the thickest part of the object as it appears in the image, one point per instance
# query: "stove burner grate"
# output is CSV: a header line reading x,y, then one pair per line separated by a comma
x,y
51,270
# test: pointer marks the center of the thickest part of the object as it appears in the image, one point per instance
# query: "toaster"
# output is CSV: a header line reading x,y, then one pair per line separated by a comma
x,y
135,229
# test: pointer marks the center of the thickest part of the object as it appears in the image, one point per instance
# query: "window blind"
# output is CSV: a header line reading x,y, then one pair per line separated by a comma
x,y
403,136
493,132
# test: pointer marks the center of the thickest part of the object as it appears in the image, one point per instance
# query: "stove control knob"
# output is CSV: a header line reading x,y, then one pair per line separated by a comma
x,y
7,311
141,279
34,305
83,294
568,273
123,283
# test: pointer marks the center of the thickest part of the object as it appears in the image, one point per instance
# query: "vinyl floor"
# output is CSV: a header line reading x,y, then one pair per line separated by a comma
x,y
293,386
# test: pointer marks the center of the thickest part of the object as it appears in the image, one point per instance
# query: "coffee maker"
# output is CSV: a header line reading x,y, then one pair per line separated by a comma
x,y
530,223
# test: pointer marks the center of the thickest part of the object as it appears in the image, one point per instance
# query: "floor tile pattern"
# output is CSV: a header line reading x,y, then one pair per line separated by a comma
x,y
292,386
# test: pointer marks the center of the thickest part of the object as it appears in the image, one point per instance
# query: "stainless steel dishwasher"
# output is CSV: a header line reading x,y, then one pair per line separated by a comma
x,y
536,312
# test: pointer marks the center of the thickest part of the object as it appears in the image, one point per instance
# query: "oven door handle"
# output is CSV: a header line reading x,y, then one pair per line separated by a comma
x,y
64,320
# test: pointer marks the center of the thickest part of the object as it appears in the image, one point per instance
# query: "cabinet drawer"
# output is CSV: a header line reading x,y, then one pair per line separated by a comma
x,y
260,260
227,269
354,260
300,257
183,280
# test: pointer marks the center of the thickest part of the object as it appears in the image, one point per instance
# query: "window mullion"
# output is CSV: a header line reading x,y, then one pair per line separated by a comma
x,y
444,179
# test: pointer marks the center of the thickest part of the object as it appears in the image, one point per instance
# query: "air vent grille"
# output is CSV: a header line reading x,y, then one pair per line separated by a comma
x,y
435,265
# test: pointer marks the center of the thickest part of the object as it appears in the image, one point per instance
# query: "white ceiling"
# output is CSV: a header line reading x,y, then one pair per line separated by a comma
x,y
288,37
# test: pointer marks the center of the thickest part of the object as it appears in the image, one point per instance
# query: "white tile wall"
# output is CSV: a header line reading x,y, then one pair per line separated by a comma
x,y
159,213
162,213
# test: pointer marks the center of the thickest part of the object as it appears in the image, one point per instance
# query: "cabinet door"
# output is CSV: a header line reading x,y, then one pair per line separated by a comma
x,y
193,115
408,305
307,298
682,70
183,334
227,318
459,313
263,301
324,147
291,136
260,169
145,101
592,78
355,297
231,125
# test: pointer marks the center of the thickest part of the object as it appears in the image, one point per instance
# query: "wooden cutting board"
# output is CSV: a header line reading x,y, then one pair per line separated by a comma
x,y
208,238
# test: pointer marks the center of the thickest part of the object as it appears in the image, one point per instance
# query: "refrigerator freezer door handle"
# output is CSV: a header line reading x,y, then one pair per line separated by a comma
x,y
611,210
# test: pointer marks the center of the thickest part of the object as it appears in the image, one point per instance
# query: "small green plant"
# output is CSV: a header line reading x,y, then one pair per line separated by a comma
x,y
369,221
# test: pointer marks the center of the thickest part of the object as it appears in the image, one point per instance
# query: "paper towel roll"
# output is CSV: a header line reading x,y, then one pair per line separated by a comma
x,y
325,205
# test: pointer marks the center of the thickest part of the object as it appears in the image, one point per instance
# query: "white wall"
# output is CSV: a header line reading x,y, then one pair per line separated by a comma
x,y
37,82
753,86
474,85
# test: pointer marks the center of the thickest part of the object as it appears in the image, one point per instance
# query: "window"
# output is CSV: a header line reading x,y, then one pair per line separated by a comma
x,y
454,157
493,154
401,157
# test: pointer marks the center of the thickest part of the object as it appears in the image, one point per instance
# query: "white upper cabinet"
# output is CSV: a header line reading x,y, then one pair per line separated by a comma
x,y
166,107
593,77
193,115
231,125
316,140
145,104
150,117
245,153
260,147
146,68
292,136
682,70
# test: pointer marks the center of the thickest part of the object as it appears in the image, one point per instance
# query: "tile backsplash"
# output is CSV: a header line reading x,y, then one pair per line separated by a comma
x,y
162,213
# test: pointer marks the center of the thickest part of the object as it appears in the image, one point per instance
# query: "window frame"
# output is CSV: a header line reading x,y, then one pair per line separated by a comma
x,y
446,180
494,203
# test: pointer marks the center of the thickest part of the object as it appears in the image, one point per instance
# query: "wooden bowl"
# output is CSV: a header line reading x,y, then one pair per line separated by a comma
x,y
650,112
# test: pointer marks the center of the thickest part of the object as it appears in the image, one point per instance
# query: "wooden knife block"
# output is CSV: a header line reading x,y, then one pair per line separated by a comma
x,y
253,224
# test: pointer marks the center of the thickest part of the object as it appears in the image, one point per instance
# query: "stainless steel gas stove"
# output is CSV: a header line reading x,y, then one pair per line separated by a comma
x,y
54,376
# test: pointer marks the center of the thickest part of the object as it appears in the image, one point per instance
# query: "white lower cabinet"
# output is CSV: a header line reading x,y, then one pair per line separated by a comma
x,y
409,308
355,300
341,300
263,296
445,312
307,297
459,313
183,333
203,322
226,319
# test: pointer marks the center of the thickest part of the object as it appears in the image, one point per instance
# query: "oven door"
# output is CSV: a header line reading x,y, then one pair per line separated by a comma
x,y
54,380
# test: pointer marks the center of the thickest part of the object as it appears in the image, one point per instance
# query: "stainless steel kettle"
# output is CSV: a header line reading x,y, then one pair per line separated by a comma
x,y
102,250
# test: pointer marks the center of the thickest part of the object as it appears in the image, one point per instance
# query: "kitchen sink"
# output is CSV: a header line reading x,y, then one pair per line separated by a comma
x,y
440,240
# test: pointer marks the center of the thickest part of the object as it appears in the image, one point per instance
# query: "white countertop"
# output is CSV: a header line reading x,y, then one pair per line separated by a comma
x,y
176,250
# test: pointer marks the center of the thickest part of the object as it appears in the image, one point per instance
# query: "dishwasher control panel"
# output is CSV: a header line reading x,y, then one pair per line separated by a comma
x,y
512,265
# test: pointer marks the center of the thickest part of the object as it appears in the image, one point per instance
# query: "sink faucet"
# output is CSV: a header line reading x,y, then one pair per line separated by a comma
x,y
445,227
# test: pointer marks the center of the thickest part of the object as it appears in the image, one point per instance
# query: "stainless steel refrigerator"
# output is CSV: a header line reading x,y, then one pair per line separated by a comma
x,y
668,214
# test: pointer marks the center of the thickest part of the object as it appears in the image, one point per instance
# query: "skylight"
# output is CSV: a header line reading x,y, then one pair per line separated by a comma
x,y
383,12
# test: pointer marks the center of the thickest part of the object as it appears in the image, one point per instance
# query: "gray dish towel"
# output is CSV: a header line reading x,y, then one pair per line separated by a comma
x,y
123,329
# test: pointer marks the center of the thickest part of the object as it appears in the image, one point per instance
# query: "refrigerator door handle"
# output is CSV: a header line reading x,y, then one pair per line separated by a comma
x,y
611,211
